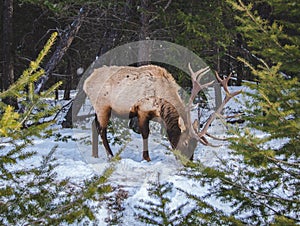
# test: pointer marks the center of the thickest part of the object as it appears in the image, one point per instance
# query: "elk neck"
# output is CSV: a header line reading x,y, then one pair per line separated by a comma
x,y
170,117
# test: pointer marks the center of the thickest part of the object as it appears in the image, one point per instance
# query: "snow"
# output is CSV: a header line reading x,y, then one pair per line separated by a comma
x,y
131,173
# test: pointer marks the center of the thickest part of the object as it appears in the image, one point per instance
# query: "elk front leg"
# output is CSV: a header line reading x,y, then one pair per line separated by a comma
x,y
144,130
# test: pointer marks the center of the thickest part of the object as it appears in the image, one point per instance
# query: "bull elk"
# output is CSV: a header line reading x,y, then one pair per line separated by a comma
x,y
149,93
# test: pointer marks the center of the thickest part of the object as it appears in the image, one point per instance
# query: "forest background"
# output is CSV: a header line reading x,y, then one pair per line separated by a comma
x,y
256,40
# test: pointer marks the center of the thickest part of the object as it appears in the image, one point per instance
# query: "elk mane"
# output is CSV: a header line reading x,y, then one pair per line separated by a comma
x,y
170,117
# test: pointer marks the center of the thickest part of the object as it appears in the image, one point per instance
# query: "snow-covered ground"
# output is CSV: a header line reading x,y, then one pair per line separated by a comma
x,y
131,174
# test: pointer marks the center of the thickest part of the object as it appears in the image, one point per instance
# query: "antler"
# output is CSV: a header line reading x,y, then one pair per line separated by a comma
x,y
197,87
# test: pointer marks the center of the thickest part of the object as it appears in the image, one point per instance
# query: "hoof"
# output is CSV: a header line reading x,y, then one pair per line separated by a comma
x,y
95,155
147,159
146,156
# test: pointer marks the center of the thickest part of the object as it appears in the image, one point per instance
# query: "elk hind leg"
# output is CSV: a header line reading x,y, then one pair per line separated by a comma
x,y
95,136
101,125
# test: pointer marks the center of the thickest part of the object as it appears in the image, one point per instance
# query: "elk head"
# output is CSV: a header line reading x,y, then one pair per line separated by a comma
x,y
191,135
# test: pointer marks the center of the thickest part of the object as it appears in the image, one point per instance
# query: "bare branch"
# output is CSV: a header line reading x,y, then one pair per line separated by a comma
x,y
66,39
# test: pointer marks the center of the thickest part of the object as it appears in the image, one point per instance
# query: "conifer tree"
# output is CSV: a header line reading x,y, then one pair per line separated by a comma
x,y
260,180
33,195
157,211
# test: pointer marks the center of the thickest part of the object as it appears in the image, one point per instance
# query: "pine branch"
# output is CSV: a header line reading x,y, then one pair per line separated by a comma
x,y
244,188
259,23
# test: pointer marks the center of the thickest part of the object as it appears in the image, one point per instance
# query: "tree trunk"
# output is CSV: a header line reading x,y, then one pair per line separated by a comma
x,y
239,67
144,52
72,113
8,65
65,42
217,87
68,81
66,39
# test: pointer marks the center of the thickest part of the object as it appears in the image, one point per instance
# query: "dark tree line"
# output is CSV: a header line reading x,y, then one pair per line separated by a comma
x,y
207,28
108,24
7,49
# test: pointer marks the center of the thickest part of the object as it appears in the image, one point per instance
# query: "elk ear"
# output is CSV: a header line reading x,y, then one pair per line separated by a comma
x,y
181,124
196,125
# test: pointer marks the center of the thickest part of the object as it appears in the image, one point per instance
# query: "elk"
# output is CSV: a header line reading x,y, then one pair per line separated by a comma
x,y
149,93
